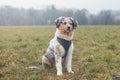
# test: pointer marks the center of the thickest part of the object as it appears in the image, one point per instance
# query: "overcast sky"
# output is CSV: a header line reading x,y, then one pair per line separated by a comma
x,y
91,5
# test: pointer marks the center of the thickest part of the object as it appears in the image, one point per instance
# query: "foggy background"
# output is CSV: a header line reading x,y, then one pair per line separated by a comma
x,y
44,12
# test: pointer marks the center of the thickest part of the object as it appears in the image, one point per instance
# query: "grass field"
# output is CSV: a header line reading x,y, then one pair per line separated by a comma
x,y
96,55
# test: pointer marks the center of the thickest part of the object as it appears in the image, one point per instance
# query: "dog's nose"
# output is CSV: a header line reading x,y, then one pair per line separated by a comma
x,y
68,27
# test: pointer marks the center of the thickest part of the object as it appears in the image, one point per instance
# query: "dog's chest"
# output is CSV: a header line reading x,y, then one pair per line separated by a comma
x,y
66,45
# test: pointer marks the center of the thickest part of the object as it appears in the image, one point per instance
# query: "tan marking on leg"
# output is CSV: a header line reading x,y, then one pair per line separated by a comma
x,y
56,61
59,53
58,50
48,63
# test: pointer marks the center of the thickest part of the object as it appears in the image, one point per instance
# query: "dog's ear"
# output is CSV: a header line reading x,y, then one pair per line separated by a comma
x,y
58,21
75,23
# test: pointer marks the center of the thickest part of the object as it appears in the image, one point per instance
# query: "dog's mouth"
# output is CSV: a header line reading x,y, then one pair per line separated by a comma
x,y
67,30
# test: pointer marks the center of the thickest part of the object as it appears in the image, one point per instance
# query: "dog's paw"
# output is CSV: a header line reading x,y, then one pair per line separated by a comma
x,y
59,73
72,72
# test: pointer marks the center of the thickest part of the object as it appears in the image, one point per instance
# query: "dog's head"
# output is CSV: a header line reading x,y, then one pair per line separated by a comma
x,y
67,23
66,26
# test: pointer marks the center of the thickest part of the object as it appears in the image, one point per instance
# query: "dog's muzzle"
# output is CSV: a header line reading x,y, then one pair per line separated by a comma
x,y
68,29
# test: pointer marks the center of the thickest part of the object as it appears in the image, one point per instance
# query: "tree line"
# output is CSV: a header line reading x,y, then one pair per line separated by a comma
x,y
46,16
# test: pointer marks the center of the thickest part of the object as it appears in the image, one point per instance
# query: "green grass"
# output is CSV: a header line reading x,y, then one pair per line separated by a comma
x,y
96,55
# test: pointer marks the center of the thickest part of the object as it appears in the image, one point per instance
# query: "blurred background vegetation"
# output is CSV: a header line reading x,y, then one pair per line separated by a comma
x,y
45,16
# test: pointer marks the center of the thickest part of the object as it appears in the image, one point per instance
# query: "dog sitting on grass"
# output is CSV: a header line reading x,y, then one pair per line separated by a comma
x,y
60,49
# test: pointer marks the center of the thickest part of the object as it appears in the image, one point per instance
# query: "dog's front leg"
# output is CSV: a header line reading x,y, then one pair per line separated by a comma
x,y
58,60
69,64
69,60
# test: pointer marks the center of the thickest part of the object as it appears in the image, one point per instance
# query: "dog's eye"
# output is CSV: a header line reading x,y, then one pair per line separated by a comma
x,y
71,23
64,23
